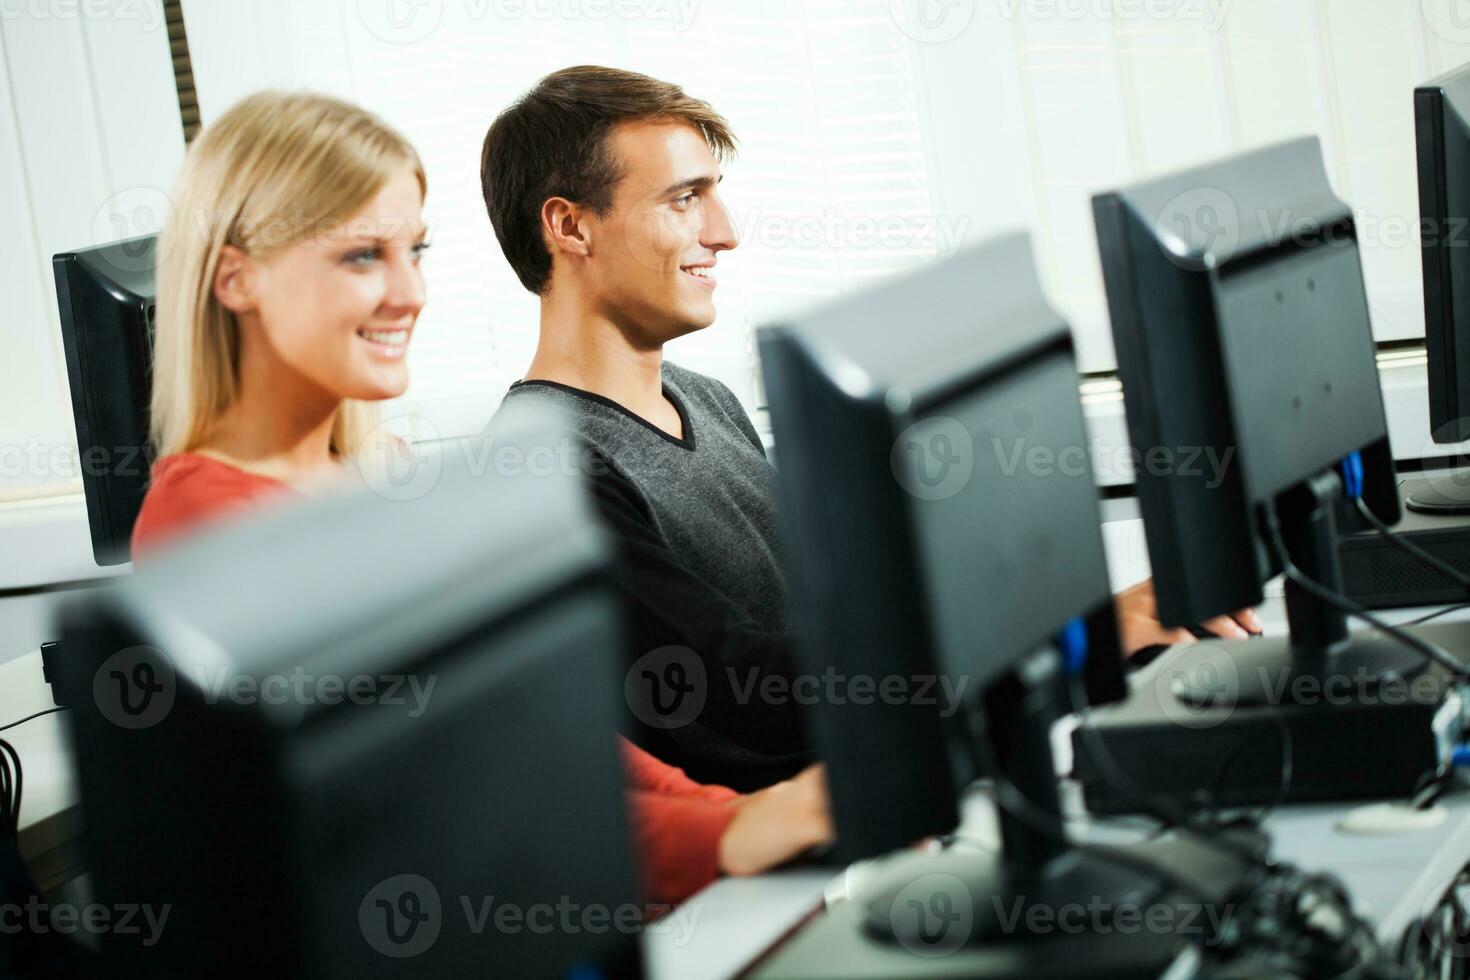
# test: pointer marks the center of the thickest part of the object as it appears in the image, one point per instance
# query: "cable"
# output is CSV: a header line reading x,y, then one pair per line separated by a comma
x,y
1343,603
1404,544
1023,808
1288,765
27,718
1436,614
1158,807
1200,820
1301,924
11,785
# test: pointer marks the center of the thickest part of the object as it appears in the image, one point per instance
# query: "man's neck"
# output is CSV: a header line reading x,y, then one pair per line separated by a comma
x,y
580,348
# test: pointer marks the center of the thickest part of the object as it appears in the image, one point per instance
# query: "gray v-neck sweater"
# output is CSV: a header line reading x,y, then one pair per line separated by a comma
x,y
696,520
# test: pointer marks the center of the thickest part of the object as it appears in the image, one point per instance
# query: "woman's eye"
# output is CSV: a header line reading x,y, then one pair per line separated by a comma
x,y
362,257
419,249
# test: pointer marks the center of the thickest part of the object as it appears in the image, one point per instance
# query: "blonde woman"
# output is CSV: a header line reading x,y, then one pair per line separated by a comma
x,y
288,290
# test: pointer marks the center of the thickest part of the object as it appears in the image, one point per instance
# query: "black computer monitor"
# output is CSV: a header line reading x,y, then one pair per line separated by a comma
x,y
1241,328
944,533
363,735
1442,128
1242,333
106,297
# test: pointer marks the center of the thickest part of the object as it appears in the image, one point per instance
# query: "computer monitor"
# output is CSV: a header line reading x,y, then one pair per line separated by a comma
x,y
1241,328
105,296
1242,333
1442,128
944,533
366,734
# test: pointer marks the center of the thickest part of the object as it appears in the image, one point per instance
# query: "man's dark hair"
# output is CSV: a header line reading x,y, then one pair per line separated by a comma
x,y
553,142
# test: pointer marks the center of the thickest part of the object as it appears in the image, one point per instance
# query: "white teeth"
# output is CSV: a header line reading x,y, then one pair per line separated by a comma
x,y
385,336
700,271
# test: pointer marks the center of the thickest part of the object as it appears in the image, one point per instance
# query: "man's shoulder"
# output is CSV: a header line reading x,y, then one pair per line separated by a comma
x,y
586,414
703,386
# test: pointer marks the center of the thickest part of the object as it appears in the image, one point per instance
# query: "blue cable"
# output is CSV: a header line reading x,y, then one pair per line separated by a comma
x,y
1460,758
1352,475
1072,642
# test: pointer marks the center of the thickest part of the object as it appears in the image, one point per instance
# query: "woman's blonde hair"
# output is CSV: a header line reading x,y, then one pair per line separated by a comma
x,y
273,170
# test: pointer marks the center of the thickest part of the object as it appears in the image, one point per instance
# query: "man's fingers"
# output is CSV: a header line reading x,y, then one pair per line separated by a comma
x,y
1226,627
1248,619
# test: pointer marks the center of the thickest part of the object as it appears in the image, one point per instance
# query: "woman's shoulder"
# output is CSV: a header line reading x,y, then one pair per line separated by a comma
x,y
188,488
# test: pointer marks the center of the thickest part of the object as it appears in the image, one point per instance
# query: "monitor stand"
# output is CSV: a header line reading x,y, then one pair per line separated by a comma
x,y
1319,652
963,898
1445,496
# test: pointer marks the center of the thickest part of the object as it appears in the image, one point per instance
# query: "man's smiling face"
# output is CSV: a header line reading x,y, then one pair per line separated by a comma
x,y
654,251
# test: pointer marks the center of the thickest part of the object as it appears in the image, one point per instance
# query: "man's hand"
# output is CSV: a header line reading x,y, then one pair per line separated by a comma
x,y
777,824
1139,626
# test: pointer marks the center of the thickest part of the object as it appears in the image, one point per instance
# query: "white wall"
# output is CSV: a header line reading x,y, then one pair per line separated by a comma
x,y
89,133
1025,108
1022,108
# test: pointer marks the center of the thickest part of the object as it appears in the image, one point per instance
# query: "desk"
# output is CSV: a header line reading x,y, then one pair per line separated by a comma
x,y
48,806
1395,880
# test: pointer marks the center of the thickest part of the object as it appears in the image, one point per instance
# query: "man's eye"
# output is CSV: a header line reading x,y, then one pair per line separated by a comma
x,y
685,200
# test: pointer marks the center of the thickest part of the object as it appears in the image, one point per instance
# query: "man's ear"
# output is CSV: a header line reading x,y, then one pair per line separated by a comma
x,y
565,228
235,280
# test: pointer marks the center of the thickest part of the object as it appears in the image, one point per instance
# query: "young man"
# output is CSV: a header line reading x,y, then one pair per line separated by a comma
x,y
602,186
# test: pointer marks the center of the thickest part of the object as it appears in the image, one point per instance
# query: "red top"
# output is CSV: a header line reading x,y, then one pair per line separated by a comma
x,y
677,823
